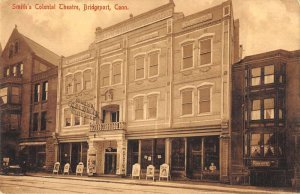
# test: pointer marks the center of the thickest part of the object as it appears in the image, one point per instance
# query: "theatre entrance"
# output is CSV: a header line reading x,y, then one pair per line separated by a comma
x,y
110,160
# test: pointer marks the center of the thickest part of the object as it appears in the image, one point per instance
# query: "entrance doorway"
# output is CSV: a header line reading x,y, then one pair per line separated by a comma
x,y
110,165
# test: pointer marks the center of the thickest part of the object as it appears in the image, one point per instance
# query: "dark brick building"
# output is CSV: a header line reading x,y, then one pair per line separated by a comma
x,y
266,118
27,99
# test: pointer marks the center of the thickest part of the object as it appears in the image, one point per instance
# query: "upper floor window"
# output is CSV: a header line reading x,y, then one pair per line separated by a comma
x,y
45,91
35,121
205,51
105,74
69,84
44,121
67,117
116,73
152,106
77,82
262,145
256,76
153,64
37,90
87,79
3,95
21,69
15,71
7,71
140,67
269,108
187,102
255,110
139,108
15,95
187,56
269,74
76,120
204,100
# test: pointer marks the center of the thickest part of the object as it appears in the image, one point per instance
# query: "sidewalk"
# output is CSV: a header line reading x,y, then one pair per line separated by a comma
x,y
173,184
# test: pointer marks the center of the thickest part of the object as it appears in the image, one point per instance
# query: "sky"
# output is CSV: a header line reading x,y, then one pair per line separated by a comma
x,y
265,25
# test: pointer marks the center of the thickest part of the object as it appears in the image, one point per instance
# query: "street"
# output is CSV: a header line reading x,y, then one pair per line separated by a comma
x,y
49,185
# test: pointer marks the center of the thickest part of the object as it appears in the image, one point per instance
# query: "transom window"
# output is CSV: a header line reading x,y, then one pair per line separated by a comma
x,y
153,64
152,106
116,71
205,51
139,108
187,56
187,101
204,100
139,67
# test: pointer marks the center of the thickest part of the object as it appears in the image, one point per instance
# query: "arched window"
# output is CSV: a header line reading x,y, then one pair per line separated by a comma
x,y
87,79
77,82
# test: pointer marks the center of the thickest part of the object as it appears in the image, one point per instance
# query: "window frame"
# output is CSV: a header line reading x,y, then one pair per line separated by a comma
x,y
45,91
135,66
210,37
64,117
154,52
186,43
70,84
142,106
210,87
192,103
154,107
44,119
108,75
77,83
37,93
35,115
120,62
84,81
6,96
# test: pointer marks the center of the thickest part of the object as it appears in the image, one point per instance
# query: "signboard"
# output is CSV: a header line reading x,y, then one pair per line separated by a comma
x,y
56,167
164,171
91,164
136,170
150,171
83,109
67,168
261,163
79,168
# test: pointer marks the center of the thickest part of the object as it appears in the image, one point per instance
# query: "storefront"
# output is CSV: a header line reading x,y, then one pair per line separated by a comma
x,y
34,154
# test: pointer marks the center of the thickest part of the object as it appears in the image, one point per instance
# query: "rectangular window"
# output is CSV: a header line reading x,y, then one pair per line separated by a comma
x,y
153,64
152,106
187,102
116,73
44,121
105,75
69,84
15,71
45,91
255,143
255,112
269,144
15,95
280,108
7,72
255,76
269,108
21,69
204,100
76,120
139,108
37,90
187,56
67,117
269,74
140,67
205,52
35,122
87,79
3,95
77,82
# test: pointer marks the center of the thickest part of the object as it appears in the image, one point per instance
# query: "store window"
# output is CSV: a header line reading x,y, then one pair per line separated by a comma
x,y
195,153
133,154
205,52
44,121
152,106
269,108
187,56
67,117
255,111
139,108
140,67
45,91
15,95
211,151
35,122
146,153
116,77
178,154
269,74
153,64
37,90
255,76
69,84
77,82
204,100
187,102
105,74
3,95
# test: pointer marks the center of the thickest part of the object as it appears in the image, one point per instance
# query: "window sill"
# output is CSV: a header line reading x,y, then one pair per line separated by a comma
x,y
204,114
206,65
185,116
190,68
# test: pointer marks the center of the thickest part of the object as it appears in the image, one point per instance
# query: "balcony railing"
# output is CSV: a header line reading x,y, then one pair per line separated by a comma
x,y
11,79
108,126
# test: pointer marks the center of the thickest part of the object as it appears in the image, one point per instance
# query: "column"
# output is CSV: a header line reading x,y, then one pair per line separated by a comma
x,y
91,158
121,157
224,158
167,151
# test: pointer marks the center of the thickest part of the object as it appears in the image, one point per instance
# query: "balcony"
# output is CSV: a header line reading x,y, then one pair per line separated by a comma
x,y
108,126
11,79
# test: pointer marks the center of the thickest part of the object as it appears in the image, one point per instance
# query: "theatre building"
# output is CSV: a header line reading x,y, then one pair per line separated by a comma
x,y
27,89
156,89
265,118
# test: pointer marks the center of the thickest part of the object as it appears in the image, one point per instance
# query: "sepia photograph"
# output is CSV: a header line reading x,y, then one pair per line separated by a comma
x,y
149,96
